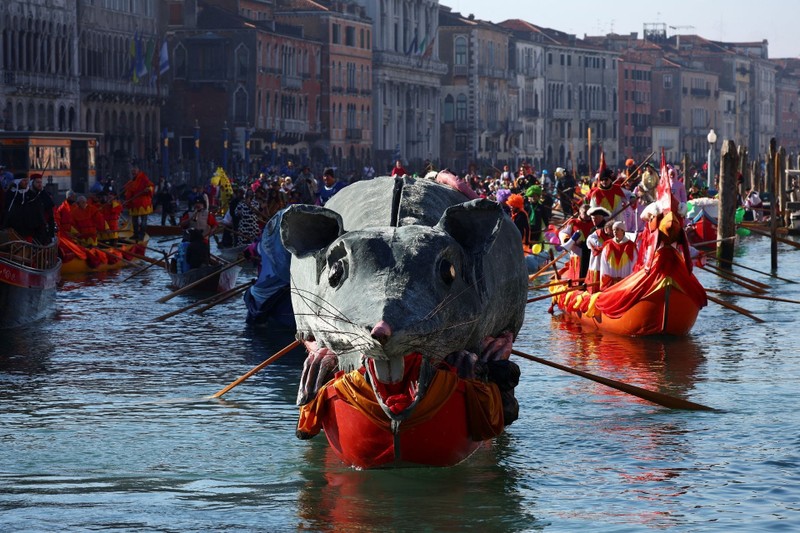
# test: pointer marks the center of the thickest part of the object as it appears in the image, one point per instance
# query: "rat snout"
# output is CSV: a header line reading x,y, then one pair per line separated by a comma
x,y
381,332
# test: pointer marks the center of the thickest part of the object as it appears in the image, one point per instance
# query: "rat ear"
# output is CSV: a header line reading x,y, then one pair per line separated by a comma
x,y
306,229
474,224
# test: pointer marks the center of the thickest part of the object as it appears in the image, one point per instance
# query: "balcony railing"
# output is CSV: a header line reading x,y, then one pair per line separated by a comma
x,y
291,82
530,112
293,126
353,134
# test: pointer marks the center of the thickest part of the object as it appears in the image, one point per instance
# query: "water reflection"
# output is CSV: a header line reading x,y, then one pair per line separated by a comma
x,y
484,490
665,364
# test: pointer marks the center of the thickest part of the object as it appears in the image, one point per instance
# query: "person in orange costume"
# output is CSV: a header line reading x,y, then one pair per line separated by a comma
x,y
87,222
111,209
63,215
139,200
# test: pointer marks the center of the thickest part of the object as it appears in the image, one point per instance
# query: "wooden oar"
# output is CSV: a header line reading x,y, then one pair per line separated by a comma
x,y
554,284
224,297
703,243
214,299
547,265
736,308
200,281
546,296
745,279
779,239
747,286
753,269
269,361
656,397
757,296
144,258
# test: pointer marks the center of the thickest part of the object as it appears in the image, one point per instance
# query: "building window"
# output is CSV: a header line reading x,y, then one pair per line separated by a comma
x,y
336,37
461,107
449,108
240,105
179,60
242,61
668,81
350,36
460,58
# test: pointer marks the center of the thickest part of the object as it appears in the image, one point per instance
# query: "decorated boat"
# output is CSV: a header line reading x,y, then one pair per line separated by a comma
x,y
663,299
77,259
29,274
701,222
408,317
660,297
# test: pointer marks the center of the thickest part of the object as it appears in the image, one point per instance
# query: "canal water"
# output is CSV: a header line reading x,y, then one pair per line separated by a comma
x,y
105,425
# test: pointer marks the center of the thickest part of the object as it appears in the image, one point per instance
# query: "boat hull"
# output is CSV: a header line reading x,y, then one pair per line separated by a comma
x,y
26,294
223,280
443,440
667,311
662,300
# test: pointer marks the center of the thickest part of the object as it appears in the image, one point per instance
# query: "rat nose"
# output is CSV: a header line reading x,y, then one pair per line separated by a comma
x,y
381,332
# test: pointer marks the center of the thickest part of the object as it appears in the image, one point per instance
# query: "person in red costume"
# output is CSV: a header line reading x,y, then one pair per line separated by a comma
x,y
63,215
608,195
398,169
139,200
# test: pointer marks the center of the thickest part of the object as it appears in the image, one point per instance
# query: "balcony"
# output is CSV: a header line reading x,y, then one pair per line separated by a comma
x,y
703,93
29,83
462,125
293,126
459,70
353,134
291,82
530,112
491,72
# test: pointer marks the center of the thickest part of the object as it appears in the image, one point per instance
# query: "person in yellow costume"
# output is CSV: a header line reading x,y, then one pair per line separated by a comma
x,y
221,181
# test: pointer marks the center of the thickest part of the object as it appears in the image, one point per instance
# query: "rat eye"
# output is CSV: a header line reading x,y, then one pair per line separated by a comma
x,y
447,271
336,273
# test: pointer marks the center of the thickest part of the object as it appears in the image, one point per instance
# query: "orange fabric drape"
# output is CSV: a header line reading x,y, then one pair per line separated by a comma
x,y
484,405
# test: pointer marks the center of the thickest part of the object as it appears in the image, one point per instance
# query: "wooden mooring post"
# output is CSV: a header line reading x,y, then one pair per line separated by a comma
x,y
726,223
772,179
748,180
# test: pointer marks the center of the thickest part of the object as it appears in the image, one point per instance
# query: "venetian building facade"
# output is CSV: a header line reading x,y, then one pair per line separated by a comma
x,y
581,100
406,77
345,102
527,68
480,111
245,89
39,64
121,94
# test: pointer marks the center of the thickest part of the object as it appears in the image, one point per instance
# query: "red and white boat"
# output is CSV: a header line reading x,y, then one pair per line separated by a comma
x,y
29,275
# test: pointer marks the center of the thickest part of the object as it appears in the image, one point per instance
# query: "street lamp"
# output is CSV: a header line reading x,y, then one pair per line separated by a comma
x,y
712,139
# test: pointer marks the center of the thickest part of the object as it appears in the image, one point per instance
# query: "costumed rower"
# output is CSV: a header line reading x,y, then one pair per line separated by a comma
x,y
139,200
617,258
87,222
594,242
573,239
607,194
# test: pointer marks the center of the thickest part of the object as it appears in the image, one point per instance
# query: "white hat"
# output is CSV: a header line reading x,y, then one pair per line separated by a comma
x,y
598,211
618,225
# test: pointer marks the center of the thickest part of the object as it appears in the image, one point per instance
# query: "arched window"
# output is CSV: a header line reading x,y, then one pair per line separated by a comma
x,y
179,60
460,49
242,61
449,108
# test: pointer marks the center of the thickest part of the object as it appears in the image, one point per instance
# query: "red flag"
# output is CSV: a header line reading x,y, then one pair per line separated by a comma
x,y
664,196
601,168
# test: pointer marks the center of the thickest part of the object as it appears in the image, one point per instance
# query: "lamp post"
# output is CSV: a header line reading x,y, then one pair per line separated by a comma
x,y
712,139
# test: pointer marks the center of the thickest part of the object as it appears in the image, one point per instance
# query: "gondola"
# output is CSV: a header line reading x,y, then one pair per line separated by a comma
x,y
77,259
